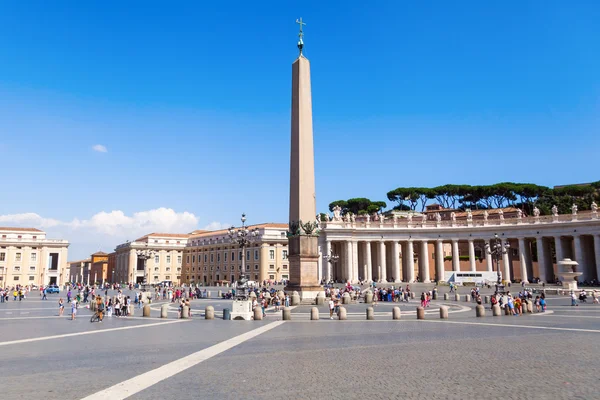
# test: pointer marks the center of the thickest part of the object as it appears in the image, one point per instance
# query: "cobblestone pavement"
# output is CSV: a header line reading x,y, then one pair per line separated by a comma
x,y
552,355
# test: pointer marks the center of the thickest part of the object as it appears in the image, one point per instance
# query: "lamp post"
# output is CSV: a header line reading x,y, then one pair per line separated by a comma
x,y
332,259
496,249
243,237
145,254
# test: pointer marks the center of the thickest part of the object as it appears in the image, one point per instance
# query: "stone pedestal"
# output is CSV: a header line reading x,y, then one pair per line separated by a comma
x,y
346,298
396,313
443,312
342,314
496,310
164,311
209,312
480,311
185,312
286,314
242,309
314,314
370,313
258,314
304,258
146,311
368,297
420,313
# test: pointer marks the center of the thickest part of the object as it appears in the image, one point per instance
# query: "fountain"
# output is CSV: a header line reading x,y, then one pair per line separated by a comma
x,y
567,272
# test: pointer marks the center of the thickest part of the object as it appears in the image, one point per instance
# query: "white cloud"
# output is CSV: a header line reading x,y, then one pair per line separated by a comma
x,y
215,226
105,230
100,148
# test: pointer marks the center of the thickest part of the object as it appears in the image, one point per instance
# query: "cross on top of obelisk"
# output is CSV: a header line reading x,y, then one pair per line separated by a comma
x,y
300,35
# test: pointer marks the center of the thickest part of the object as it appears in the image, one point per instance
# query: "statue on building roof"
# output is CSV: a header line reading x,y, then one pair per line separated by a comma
x,y
337,213
554,211
574,209
486,214
438,217
594,207
536,212
501,214
519,213
453,216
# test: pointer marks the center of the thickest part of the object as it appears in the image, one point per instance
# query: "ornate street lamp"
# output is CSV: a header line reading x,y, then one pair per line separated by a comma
x,y
497,250
145,254
242,237
332,259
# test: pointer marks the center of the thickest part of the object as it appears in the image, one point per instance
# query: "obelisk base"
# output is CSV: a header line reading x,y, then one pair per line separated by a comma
x,y
304,266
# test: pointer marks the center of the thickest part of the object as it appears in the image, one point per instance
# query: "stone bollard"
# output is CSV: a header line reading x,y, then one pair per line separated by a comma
x,y
496,310
286,314
486,299
412,295
209,312
368,297
146,311
457,297
185,312
219,294
446,296
93,306
164,311
443,312
467,298
396,313
342,314
295,299
506,310
370,313
208,294
420,313
314,314
257,314
320,300
480,311
529,306
435,295
346,298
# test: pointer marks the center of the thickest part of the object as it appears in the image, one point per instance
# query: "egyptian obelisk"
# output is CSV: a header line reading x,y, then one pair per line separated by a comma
x,y
303,248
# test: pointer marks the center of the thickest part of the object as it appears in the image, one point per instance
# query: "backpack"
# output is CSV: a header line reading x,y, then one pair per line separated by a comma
x,y
101,306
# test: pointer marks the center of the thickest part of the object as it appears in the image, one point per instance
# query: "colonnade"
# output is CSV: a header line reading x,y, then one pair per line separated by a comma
x,y
406,259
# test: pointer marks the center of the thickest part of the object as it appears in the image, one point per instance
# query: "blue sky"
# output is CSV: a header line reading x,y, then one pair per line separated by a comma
x,y
192,103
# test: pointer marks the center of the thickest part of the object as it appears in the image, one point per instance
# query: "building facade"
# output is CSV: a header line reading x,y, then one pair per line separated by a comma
x,y
211,257
79,271
165,251
407,250
27,257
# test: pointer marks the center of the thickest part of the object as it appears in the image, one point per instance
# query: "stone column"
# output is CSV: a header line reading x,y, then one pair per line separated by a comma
x,y
579,257
319,264
455,256
410,262
558,248
369,276
424,256
328,253
542,267
382,261
597,253
439,260
505,263
354,261
523,260
347,261
488,258
472,265
396,261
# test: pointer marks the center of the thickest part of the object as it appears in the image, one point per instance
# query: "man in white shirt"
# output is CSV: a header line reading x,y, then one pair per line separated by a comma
x,y
331,307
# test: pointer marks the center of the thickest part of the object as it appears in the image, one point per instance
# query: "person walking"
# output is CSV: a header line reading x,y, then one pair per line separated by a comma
x,y
73,309
44,291
61,307
331,307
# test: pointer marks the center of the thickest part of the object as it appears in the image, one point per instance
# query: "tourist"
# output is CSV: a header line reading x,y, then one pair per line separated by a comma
x,y
100,308
109,308
537,304
594,297
517,306
423,299
543,302
73,308
61,307
331,307
573,299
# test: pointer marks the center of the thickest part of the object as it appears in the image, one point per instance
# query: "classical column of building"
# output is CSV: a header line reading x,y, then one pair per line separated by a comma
x,y
355,274
328,266
488,257
439,260
472,264
347,260
523,260
455,256
581,258
597,253
396,261
424,256
368,262
541,256
558,248
505,263
410,262
382,262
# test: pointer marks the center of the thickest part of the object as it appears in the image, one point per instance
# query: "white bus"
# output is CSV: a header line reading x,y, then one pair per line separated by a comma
x,y
472,277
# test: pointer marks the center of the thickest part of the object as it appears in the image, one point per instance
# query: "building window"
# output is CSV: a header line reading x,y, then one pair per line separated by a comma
x,y
256,267
187,259
271,266
285,277
284,254
271,254
16,278
155,269
204,268
18,257
31,278
34,257
17,269
212,258
178,259
271,276
168,259
178,269
232,256
218,257
212,268
168,269
225,257
247,254
255,277
2,256
240,268
193,259
285,267
247,268
206,258
32,268
155,277
240,256
156,259
256,254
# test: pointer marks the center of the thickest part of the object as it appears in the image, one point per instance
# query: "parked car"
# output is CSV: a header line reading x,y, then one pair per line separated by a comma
x,y
52,289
